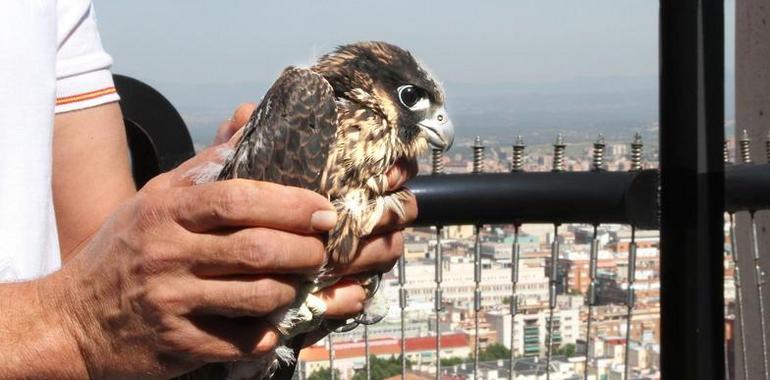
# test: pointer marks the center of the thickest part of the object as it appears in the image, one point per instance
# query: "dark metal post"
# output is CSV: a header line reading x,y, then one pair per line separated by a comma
x,y
692,190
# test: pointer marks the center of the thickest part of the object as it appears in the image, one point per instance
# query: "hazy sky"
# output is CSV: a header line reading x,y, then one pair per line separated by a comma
x,y
197,41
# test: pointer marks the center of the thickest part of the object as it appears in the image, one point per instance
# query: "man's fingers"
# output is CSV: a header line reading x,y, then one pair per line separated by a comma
x,y
257,251
377,254
343,300
241,296
401,172
243,113
398,175
228,128
221,339
244,203
390,220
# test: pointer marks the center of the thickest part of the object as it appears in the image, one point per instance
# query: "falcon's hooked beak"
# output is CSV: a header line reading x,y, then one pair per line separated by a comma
x,y
439,129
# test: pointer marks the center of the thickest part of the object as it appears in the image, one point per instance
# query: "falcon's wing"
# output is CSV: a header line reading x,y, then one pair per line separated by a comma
x,y
288,138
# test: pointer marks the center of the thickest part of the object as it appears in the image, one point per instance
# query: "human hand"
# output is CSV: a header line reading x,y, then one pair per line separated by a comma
x,y
231,126
182,275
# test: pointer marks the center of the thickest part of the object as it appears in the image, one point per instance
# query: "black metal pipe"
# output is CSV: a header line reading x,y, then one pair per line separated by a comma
x,y
747,188
571,197
692,188
538,197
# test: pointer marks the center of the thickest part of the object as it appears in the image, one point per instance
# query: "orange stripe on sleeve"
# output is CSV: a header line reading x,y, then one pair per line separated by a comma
x,y
85,96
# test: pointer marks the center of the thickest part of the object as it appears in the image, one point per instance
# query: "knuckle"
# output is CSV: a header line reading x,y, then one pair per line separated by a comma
x,y
148,212
231,198
255,253
158,182
157,258
163,299
147,254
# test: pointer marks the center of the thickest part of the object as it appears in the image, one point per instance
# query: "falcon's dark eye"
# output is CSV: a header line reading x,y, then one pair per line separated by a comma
x,y
413,97
409,96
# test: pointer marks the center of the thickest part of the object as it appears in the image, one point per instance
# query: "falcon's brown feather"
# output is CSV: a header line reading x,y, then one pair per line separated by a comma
x,y
288,137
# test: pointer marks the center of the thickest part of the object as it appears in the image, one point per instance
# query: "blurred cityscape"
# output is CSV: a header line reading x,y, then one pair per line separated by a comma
x,y
527,333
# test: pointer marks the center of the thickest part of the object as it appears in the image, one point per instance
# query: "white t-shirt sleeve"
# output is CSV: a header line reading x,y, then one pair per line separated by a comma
x,y
83,77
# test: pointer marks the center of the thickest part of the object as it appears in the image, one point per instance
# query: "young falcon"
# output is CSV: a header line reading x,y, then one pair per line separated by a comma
x,y
336,128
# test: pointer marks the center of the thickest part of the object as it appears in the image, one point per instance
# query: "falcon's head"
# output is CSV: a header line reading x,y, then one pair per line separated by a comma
x,y
391,81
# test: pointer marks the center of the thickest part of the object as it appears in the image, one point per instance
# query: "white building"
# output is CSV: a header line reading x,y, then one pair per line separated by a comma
x,y
531,329
458,282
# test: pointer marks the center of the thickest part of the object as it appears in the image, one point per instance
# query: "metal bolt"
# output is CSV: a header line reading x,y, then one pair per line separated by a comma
x,y
726,153
558,154
637,148
598,155
437,160
745,145
517,160
478,156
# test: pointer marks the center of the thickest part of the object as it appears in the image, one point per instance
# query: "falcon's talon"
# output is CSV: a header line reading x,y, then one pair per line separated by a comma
x,y
395,202
376,306
365,319
373,285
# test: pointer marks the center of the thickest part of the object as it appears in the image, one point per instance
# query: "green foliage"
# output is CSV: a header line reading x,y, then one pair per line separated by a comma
x,y
567,350
494,351
324,374
382,368
453,361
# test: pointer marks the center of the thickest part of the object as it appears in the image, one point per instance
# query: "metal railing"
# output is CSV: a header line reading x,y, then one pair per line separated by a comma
x,y
519,197
558,197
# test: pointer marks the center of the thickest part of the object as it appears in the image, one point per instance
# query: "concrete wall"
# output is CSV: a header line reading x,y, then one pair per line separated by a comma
x,y
752,108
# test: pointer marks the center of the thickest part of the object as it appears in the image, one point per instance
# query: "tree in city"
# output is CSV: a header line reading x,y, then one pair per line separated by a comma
x,y
381,368
323,374
493,351
452,361
567,350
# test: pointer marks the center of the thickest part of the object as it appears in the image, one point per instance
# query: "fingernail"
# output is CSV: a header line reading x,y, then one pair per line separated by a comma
x,y
323,220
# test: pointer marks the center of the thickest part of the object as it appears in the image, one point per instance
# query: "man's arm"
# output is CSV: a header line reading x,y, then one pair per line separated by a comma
x,y
36,343
91,172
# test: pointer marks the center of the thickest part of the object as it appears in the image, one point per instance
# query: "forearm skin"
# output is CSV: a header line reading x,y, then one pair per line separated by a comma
x,y
35,332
